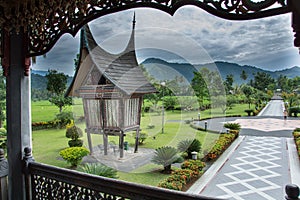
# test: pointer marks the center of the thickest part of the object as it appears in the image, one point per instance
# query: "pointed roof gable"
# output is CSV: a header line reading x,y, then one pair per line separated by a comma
x,y
121,69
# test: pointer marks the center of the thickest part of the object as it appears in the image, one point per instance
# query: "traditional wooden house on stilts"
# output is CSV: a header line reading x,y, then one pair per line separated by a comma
x,y
112,88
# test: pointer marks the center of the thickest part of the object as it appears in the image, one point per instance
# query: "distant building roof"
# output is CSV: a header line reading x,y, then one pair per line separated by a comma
x,y
121,69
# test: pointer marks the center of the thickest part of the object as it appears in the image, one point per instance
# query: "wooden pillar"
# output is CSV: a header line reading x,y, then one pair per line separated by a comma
x,y
121,144
18,111
105,142
136,147
90,142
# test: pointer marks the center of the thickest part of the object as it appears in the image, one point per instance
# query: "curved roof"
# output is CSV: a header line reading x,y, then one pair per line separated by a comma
x,y
122,70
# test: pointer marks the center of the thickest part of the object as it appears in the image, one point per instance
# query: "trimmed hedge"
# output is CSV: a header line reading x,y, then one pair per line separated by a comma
x,y
74,155
44,125
190,170
221,145
293,111
296,135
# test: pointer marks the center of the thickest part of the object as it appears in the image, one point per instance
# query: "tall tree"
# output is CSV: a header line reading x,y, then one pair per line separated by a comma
x,y
199,86
283,83
263,80
244,75
248,92
229,83
57,84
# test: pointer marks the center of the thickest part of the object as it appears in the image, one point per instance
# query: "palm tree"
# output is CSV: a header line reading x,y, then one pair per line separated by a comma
x,y
99,170
188,146
166,156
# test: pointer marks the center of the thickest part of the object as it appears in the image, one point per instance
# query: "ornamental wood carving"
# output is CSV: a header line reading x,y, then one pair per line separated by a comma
x,y
45,21
48,188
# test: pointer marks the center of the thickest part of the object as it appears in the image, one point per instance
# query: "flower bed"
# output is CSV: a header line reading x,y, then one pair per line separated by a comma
x,y
221,145
44,125
296,135
190,171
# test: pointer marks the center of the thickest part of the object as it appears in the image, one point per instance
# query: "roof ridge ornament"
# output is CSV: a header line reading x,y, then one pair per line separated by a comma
x,y
133,21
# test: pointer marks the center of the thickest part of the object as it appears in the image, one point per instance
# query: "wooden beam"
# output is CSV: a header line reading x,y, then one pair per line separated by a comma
x,y
18,114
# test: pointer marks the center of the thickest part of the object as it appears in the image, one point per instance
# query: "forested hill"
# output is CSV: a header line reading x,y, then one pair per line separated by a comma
x,y
163,70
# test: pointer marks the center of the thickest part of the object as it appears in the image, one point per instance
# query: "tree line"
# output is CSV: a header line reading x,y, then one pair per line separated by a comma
x,y
209,90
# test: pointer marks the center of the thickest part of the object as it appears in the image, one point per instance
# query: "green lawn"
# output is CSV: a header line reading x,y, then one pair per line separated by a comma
x,y
48,143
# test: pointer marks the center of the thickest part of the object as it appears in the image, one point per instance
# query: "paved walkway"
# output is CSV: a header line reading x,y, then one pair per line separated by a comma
x,y
259,164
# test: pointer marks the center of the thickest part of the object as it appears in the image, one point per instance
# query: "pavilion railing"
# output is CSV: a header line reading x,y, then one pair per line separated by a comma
x,y
49,182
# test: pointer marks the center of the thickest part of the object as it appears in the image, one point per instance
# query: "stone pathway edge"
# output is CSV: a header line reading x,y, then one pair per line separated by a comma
x,y
294,162
200,184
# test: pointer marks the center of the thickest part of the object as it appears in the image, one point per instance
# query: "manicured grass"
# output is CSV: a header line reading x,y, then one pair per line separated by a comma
x,y
48,143
43,111
149,178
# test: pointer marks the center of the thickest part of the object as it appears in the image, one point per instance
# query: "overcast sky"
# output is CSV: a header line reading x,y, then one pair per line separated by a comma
x,y
191,35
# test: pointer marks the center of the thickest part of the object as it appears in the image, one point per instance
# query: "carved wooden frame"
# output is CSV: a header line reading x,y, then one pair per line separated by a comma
x,y
46,21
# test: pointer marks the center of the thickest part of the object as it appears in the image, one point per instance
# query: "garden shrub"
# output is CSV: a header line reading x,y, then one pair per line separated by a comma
x,y
3,143
74,133
171,185
75,143
249,111
232,126
166,156
71,124
44,125
297,130
142,138
74,155
64,118
3,132
195,165
293,111
191,169
99,169
177,179
220,146
189,146
296,134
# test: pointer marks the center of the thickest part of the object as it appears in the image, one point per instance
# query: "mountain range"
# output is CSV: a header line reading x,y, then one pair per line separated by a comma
x,y
163,70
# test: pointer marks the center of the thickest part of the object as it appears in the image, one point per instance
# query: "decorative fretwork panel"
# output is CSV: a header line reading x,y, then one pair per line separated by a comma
x,y
48,188
46,20
48,182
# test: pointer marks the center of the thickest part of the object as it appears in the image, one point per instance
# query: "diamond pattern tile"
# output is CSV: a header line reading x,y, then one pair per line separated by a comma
x,y
254,170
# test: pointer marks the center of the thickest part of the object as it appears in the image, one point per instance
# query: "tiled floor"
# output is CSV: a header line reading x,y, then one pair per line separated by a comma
x,y
258,169
268,124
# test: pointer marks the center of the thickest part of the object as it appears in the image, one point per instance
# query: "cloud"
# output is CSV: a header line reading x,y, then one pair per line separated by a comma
x,y
192,34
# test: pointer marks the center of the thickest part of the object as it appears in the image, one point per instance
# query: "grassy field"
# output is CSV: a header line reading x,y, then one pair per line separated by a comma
x,y
48,143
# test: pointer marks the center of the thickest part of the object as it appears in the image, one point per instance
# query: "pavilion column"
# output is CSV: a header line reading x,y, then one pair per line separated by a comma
x,y
18,107
136,146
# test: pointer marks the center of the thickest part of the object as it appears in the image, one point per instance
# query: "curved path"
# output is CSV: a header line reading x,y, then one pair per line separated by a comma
x,y
259,163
